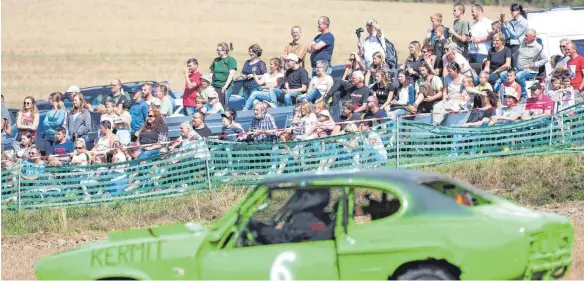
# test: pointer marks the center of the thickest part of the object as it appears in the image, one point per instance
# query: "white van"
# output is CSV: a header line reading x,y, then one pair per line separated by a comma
x,y
552,25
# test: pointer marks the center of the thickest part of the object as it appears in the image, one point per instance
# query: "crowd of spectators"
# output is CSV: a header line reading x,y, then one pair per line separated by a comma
x,y
479,66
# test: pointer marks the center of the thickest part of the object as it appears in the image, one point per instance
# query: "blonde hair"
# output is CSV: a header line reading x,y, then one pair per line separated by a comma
x,y
380,56
201,100
417,50
226,47
80,141
57,98
306,108
437,16
499,36
373,23
466,78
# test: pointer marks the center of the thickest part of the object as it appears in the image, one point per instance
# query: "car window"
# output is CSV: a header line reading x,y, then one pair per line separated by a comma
x,y
373,204
292,215
457,193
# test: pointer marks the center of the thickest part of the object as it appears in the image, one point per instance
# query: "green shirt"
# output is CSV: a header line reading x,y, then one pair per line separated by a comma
x,y
220,68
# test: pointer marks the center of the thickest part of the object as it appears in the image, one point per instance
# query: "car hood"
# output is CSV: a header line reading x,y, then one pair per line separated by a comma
x,y
157,231
180,241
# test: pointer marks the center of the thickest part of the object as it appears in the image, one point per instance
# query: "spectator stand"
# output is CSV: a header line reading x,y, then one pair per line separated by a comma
x,y
405,143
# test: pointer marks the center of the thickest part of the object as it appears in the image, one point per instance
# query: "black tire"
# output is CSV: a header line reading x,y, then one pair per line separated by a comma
x,y
426,272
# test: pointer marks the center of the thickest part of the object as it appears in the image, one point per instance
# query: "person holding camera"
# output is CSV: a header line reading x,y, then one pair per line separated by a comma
x,y
372,43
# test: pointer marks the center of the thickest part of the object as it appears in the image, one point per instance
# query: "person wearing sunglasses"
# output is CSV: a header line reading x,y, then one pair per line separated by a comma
x,y
153,133
27,118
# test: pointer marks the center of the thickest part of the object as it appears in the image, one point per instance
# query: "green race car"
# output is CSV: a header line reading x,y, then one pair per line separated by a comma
x,y
378,224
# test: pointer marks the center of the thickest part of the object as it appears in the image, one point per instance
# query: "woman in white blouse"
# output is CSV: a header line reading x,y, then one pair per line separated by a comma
x,y
267,82
319,84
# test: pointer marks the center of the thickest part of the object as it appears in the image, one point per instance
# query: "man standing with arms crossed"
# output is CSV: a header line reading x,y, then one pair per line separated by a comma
x,y
323,45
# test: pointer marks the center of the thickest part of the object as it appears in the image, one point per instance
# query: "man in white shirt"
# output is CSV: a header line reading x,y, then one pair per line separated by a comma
x,y
451,54
480,32
372,43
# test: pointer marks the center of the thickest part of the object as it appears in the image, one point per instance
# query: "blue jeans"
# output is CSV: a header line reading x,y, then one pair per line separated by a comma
x,y
189,111
148,153
288,98
269,96
476,58
496,80
244,91
311,97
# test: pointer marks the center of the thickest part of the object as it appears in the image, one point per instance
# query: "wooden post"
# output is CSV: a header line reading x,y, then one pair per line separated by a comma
x,y
63,218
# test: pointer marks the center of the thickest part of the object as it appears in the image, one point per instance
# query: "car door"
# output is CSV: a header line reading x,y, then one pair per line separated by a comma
x,y
368,231
284,261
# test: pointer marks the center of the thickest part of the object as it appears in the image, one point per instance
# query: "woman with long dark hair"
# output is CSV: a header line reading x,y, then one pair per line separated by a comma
x,y
57,117
405,98
515,29
153,132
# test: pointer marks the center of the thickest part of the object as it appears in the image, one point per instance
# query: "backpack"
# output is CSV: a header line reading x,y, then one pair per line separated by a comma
x,y
390,53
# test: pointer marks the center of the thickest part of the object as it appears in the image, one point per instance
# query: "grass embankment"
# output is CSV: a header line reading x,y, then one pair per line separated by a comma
x,y
532,180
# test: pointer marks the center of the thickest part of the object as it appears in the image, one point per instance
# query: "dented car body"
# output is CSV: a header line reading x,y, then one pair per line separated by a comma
x,y
382,224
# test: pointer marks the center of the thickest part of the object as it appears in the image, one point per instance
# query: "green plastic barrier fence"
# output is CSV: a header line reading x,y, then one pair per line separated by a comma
x,y
212,163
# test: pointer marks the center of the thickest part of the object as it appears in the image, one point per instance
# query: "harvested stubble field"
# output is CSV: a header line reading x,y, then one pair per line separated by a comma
x,y
48,45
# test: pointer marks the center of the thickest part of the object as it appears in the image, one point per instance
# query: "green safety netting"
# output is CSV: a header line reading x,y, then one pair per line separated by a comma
x,y
212,163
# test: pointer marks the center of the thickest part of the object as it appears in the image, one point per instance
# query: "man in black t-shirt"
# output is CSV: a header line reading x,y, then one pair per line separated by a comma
x,y
199,125
355,91
117,96
296,80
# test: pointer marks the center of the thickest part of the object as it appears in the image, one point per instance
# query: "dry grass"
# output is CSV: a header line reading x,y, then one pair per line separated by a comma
x,y
530,180
28,236
50,45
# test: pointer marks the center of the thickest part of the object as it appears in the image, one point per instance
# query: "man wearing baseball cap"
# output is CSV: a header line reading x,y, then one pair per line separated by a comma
x,y
539,105
206,90
509,113
296,80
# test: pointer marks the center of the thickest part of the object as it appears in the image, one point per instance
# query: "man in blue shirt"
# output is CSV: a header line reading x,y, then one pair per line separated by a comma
x,y
138,111
62,147
323,45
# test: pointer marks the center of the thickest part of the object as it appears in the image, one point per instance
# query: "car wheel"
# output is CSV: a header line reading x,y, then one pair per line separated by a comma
x,y
426,272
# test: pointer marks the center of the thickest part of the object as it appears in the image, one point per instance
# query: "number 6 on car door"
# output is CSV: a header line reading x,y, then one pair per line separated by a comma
x,y
279,270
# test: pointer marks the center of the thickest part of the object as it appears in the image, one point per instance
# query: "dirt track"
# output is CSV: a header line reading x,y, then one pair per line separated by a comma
x,y
20,253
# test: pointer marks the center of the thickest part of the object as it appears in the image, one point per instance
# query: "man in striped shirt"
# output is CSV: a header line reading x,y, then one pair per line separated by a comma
x,y
263,126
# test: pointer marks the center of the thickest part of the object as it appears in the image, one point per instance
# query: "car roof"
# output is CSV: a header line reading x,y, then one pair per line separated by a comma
x,y
426,200
386,174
